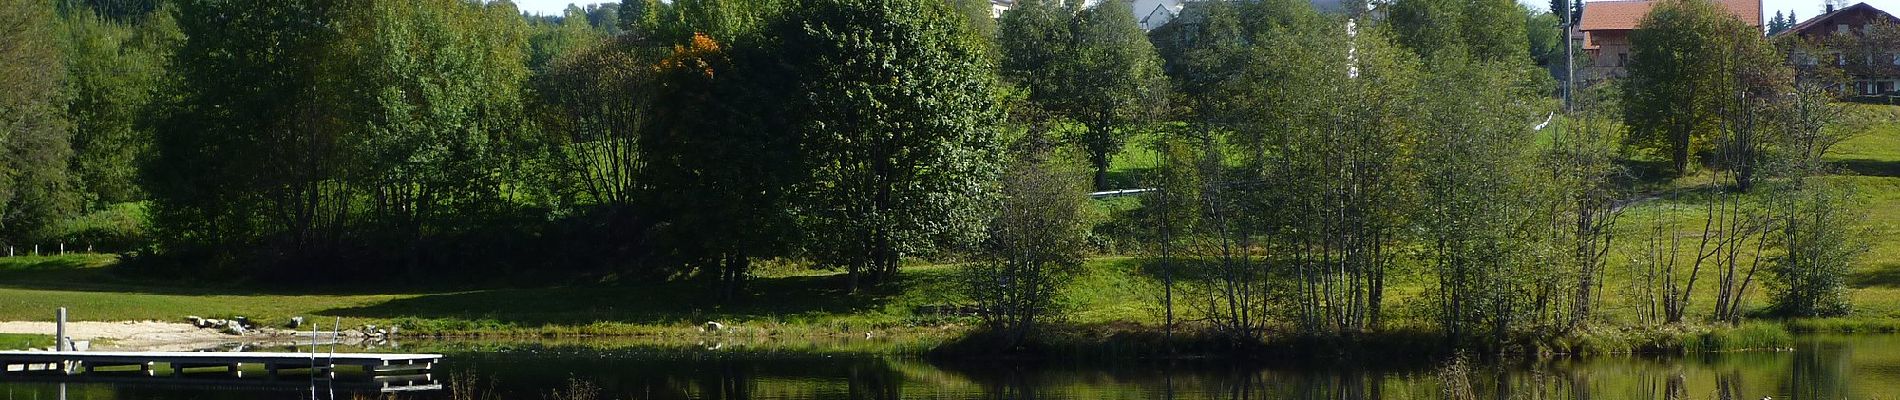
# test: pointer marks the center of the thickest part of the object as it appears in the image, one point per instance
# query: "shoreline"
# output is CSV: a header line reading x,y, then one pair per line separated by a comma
x,y
1069,343
149,335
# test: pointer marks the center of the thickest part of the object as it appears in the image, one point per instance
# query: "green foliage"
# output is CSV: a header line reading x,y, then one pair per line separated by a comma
x,y
1092,66
896,126
117,228
677,22
1819,244
305,128
552,39
242,154
591,106
432,119
35,136
1486,30
1546,35
117,69
1683,57
721,159
1478,222
1037,242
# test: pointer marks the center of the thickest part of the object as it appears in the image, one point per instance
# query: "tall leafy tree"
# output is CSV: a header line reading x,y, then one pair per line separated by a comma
x,y
592,106
897,129
554,38
1685,58
1094,67
435,112
34,135
324,130
1036,243
117,69
1482,219
1489,30
605,18
241,158
719,160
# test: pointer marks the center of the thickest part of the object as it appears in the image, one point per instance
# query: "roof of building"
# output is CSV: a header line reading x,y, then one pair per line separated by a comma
x,y
1818,19
1626,14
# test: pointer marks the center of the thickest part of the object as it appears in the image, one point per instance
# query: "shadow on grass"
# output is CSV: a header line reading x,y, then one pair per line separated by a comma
x,y
1130,178
1883,275
1865,167
645,303
1640,173
111,278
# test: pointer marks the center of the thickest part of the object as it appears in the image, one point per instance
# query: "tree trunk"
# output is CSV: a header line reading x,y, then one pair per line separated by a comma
x,y
1100,160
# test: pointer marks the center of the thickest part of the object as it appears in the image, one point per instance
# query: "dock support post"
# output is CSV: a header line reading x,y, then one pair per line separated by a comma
x,y
59,331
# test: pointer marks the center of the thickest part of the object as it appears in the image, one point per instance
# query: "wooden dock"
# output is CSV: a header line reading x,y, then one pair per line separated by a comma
x,y
379,383
233,363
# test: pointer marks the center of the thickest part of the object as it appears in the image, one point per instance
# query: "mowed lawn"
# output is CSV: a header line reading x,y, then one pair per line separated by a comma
x,y
810,303
31,288
1871,160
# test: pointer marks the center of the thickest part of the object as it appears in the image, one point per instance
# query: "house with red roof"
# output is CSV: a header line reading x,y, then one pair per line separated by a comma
x,y
1606,27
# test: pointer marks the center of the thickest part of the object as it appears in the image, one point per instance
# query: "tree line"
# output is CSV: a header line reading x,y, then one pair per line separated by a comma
x,y
1302,161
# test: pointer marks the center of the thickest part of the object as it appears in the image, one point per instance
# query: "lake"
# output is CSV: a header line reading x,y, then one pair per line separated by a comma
x,y
1819,367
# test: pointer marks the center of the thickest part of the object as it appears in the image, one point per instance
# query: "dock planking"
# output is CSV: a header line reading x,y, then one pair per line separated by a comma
x,y
179,362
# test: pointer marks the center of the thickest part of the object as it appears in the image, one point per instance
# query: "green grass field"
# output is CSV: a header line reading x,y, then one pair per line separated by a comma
x,y
804,304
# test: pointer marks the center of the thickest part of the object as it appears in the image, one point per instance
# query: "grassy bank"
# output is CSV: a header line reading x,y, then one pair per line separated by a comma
x,y
1115,314
13,341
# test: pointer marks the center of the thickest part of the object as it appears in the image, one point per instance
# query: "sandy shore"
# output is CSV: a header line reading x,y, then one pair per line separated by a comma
x,y
142,336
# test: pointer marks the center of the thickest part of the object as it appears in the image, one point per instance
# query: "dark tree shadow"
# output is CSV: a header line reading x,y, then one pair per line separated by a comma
x,y
659,302
79,275
1882,275
1865,167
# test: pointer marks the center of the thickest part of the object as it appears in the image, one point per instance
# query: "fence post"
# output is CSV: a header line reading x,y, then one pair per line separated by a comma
x,y
59,331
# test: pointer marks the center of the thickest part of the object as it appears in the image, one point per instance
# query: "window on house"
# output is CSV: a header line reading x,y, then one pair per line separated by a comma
x,y
1841,28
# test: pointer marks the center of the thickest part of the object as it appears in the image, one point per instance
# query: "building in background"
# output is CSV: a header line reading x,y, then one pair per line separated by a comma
x,y
1842,37
1606,28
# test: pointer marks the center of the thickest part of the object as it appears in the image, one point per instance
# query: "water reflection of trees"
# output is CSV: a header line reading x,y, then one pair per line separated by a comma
x,y
1816,370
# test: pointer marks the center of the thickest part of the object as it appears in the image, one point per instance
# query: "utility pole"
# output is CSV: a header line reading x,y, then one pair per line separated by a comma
x,y
1570,66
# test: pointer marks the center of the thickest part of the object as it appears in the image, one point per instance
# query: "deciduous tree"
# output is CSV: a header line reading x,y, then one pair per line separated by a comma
x,y
897,129
1093,66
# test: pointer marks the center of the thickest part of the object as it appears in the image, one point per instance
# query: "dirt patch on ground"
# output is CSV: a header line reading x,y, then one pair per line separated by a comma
x,y
139,336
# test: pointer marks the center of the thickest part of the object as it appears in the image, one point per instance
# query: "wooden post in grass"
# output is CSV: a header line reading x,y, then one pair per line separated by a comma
x,y
59,331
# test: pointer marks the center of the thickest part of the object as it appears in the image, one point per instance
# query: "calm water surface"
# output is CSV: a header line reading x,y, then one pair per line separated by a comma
x,y
1821,367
